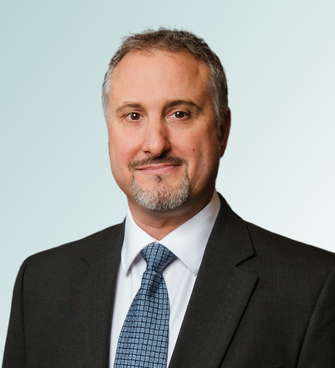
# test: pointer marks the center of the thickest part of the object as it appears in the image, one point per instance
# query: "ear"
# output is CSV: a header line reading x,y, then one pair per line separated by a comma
x,y
225,129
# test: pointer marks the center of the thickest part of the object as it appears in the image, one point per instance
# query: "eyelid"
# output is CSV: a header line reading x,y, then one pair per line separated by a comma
x,y
187,114
127,115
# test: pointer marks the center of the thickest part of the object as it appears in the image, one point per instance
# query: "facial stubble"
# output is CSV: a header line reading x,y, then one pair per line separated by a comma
x,y
161,198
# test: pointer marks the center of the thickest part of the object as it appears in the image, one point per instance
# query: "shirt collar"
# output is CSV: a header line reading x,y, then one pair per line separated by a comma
x,y
187,242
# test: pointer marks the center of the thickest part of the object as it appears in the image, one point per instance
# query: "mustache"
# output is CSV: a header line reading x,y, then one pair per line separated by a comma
x,y
156,161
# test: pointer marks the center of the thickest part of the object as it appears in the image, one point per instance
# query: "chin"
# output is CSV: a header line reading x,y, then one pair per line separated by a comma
x,y
162,198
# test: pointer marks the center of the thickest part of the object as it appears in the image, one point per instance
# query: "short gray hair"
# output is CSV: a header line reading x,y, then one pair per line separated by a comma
x,y
174,40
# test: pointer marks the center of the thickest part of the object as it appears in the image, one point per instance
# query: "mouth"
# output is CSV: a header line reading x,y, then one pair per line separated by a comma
x,y
156,163
157,168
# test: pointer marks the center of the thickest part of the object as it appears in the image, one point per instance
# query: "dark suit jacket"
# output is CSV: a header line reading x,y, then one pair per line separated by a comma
x,y
260,301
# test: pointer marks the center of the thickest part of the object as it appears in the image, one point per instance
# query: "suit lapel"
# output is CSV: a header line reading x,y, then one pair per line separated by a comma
x,y
220,296
96,297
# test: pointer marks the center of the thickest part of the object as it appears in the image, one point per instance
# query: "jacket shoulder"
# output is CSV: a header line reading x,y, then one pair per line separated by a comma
x,y
281,249
94,244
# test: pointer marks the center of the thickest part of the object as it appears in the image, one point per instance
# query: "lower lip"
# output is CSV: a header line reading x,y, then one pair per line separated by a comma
x,y
156,170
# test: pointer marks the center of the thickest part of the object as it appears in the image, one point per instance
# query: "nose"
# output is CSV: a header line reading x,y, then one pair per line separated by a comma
x,y
156,139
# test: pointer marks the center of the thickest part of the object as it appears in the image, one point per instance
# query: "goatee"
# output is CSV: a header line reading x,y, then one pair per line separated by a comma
x,y
161,198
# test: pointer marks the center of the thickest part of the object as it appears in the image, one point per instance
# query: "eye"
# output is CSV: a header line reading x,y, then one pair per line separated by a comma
x,y
180,115
134,116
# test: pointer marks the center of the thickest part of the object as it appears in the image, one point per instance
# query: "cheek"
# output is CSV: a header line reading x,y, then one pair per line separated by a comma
x,y
117,144
123,145
119,168
203,157
122,150
118,157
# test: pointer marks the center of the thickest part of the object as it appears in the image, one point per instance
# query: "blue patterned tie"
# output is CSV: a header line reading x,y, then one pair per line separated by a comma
x,y
144,337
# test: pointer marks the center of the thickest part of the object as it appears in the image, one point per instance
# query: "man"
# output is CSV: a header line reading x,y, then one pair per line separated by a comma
x,y
230,294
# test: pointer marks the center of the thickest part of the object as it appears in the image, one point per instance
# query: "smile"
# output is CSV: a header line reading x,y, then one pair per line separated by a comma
x,y
158,168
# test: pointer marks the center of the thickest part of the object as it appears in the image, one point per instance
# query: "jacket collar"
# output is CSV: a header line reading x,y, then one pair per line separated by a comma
x,y
220,295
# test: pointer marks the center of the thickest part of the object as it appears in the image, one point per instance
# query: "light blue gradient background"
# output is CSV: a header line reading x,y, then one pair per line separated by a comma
x,y
56,185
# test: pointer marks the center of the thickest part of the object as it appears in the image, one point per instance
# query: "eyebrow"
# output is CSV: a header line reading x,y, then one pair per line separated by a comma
x,y
189,103
169,104
127,105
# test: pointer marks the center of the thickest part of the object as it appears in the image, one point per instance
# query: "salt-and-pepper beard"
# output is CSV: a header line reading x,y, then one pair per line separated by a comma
x,y
160,198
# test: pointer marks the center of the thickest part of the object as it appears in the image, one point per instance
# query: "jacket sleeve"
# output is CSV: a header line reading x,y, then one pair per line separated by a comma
x,y
318,348
15,347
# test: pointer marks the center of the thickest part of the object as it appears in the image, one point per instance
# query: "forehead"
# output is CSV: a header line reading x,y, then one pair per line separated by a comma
x,y
159,72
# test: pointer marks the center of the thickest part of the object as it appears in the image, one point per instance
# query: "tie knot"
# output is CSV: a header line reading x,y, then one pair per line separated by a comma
x,y
157,257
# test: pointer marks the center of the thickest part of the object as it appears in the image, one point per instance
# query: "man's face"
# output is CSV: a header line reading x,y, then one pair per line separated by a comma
x,y
163,135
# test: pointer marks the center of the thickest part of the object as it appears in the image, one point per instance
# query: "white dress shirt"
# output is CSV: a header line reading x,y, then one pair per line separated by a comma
x,y
188,243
